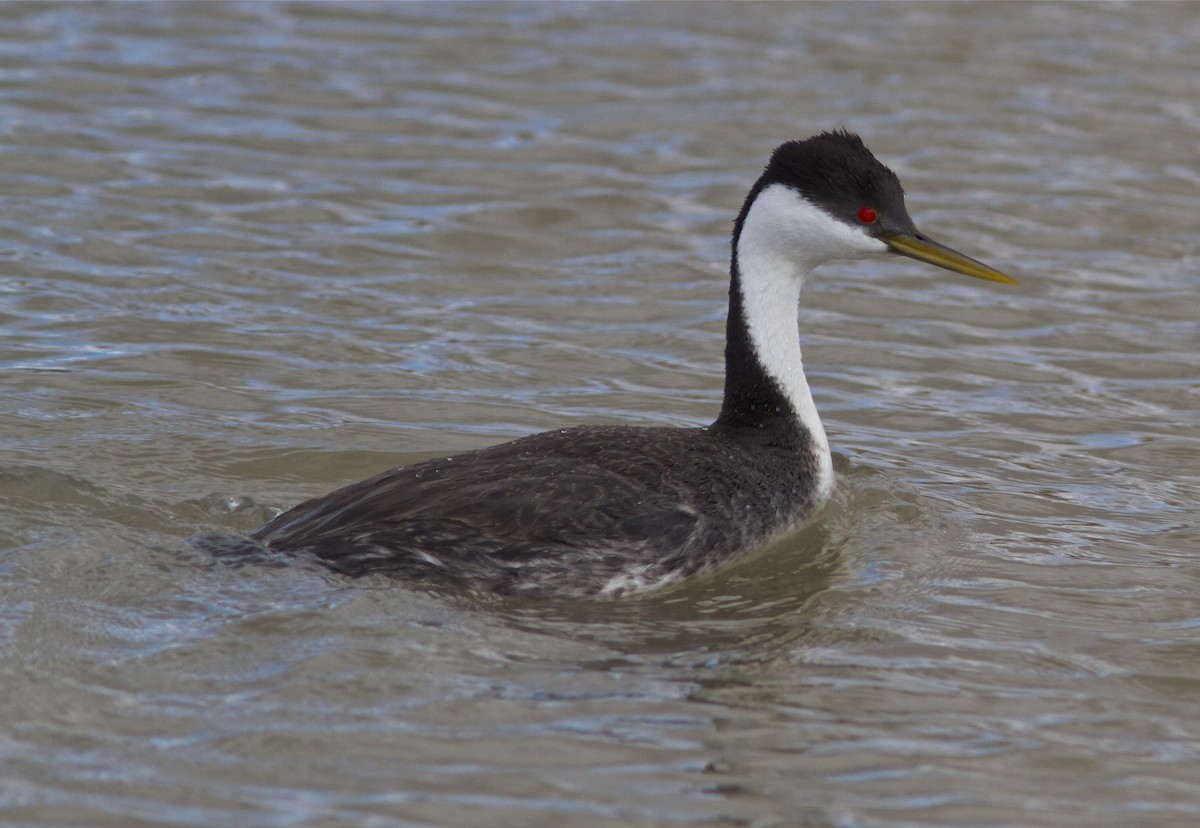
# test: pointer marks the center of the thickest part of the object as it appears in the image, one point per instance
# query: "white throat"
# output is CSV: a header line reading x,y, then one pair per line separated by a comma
x,y
783,237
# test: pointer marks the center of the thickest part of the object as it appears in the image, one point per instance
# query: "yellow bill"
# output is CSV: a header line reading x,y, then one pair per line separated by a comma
x,y
924,249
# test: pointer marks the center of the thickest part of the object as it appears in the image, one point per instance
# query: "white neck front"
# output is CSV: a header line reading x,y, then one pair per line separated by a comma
x,y
782,238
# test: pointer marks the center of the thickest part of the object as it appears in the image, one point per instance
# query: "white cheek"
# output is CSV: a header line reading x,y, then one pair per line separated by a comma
x,y
783,225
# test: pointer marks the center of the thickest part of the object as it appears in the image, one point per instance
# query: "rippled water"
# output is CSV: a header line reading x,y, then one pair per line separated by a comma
x,y
251,252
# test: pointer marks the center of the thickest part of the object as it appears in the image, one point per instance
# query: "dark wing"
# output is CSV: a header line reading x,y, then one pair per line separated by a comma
x,y
526,512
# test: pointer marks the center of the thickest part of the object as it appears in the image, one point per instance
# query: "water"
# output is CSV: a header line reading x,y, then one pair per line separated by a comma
x,y
252,252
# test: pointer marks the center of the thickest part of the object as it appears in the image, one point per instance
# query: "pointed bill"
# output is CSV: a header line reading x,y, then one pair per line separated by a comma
x,y
925,249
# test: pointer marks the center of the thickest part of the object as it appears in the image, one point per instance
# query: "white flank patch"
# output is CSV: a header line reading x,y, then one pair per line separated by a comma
x,y
635,580
784,237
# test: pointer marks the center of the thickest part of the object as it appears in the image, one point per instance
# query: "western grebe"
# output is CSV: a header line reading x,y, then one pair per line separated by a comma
x,y
605,510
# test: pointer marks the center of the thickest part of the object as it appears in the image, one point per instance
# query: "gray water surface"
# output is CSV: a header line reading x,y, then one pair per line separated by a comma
x,y
251,252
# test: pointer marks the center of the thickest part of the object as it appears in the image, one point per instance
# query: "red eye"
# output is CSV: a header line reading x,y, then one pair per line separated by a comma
x,y
867,215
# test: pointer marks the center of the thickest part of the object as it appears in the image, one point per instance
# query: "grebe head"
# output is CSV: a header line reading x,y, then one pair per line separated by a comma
x,y
827,198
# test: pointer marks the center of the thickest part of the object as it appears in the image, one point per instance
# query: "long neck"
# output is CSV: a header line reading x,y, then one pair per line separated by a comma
x,y
765,386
